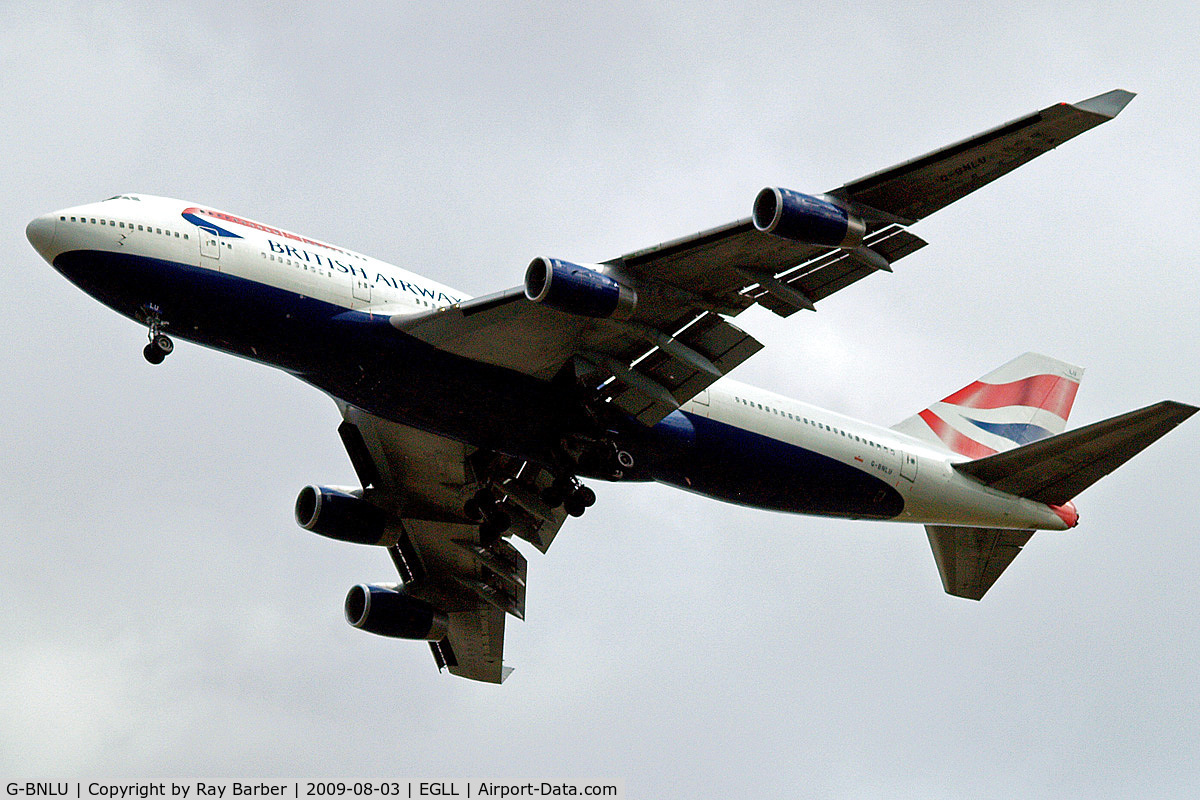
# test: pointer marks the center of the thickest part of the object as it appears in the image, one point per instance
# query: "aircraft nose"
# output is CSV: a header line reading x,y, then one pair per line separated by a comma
x,y
40,233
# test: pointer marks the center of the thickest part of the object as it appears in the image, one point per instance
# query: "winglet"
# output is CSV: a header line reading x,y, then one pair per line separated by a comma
x,y
1108,104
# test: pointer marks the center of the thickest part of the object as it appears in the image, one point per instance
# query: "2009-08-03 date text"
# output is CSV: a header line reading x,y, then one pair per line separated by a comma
x,y
384,789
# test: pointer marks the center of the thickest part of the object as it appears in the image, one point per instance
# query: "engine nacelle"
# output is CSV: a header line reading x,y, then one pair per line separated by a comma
x,y
386,610
583,291
339,515
804,218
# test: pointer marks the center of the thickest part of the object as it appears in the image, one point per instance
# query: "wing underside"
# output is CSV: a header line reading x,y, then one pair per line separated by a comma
x,y
423,482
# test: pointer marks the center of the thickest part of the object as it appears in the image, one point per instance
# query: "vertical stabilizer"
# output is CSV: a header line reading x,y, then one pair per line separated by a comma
x,y
1027,399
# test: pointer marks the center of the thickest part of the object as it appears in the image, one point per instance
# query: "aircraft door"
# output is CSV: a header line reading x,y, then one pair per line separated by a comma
x,y
210,248
702,402
362,288
908,466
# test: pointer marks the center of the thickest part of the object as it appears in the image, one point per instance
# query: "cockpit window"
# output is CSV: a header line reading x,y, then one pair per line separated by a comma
x,y
122,197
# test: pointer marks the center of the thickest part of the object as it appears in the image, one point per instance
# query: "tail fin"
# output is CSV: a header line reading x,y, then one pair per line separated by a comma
x,y
1027,399
1051,471
1054,470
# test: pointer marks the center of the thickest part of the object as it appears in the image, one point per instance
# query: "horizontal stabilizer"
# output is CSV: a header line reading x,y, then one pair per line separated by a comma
x,y
1056,469
971,559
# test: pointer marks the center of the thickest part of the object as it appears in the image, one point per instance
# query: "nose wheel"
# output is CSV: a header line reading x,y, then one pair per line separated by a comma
x,y
160,345
159,348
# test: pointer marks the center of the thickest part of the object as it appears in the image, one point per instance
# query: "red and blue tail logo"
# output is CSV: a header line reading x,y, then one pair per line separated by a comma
x,y
1027,399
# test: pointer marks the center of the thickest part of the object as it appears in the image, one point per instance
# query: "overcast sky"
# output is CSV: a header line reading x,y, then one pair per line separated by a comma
x,y
161,615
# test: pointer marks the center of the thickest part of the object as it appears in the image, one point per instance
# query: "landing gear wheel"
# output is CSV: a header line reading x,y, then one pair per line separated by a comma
x,y
574,506
489,534
493,525
163,344
484,500
556,492
472,509
585,496
500,519
153,354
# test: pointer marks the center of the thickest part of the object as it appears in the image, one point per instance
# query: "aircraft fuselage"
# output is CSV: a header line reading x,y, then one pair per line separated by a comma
x,y
324,314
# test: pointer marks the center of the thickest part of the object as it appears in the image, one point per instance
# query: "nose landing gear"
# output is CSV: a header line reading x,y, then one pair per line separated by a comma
x,y
159,348
160,345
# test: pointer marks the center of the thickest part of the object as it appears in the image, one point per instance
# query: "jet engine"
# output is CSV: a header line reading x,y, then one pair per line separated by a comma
x,y
805,218
584,291
386,610
340,515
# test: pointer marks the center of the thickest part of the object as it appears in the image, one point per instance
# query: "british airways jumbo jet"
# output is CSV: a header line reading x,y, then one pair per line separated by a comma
x,y
470,421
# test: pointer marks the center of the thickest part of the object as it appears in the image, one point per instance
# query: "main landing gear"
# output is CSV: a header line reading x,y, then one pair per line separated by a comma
x,y
493,519
495,503
160,344
573,496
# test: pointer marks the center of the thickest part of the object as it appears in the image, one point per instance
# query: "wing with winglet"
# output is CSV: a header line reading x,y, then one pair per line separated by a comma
x,y
652,325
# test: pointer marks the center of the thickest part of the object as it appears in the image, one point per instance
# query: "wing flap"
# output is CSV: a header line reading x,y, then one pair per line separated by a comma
x,y
1056,469
476,639
659,381
835,270
971,559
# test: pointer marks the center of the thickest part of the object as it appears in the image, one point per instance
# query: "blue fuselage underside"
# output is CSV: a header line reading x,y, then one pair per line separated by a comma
x,y
362,359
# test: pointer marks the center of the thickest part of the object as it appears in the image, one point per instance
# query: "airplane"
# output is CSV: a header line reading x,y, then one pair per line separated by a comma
x,y
471,421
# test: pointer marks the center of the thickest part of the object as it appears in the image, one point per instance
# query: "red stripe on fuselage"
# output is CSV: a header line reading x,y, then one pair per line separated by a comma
x,y
959,443
1051,393
258,226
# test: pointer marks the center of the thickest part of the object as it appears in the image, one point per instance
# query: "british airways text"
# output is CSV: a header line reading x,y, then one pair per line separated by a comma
x,y
333,263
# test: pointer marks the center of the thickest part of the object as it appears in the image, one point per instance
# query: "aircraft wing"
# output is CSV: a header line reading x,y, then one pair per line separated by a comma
x,y
679,340
423,481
